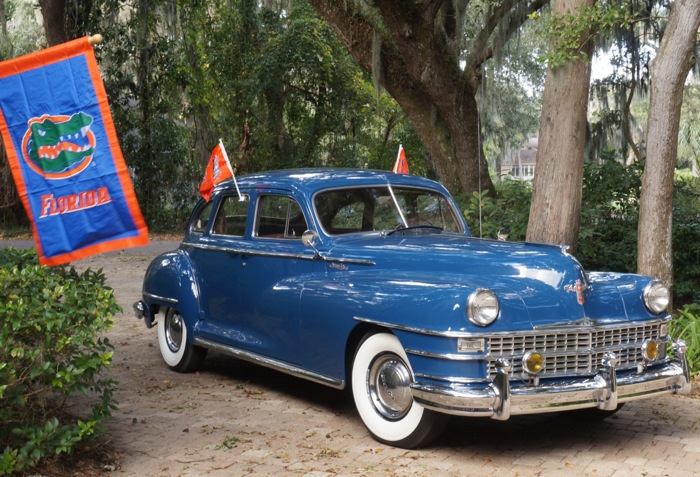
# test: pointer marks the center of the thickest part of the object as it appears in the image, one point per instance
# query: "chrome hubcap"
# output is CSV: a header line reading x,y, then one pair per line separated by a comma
x,y
388,379
173,331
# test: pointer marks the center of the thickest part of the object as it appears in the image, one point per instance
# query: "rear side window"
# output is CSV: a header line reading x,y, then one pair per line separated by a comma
x,y
279,217
201,221
231,217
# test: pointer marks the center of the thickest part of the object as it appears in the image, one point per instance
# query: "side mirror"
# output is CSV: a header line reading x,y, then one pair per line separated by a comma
x,y
309,238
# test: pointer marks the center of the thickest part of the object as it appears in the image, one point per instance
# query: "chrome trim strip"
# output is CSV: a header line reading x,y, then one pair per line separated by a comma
x,y
450,356
161,298
271,363
486,334
217,248
453,379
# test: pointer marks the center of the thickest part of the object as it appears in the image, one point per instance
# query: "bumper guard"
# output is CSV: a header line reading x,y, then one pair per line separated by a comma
x,y
501,399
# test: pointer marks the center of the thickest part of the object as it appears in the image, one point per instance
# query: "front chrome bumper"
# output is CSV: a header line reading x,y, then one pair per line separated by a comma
x,y
501,398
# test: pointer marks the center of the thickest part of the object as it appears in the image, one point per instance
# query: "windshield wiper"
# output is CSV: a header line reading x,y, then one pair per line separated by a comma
x,y
416,230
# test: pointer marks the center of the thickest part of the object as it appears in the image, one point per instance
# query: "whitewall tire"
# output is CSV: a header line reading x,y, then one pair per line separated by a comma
x,y
177,352
381,375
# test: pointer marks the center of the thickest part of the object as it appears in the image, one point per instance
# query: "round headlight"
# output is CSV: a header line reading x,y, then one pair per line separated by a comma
x,y
656,297
482,307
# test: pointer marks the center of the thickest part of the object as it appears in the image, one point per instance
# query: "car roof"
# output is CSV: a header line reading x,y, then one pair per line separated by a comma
x,y
312,180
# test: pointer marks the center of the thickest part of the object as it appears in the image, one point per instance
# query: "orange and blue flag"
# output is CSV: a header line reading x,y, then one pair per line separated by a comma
x,y
218,170
401,165
64,154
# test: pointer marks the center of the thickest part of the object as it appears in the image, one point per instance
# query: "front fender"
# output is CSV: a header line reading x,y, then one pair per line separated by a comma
x,y
171,282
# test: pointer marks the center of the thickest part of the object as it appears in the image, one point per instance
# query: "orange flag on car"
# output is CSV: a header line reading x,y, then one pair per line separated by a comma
x,y
401,166
218,170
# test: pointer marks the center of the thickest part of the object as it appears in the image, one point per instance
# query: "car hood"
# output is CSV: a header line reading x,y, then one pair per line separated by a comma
x,y
541,285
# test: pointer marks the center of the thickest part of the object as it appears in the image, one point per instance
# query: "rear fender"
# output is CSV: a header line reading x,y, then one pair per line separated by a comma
x,y
171,282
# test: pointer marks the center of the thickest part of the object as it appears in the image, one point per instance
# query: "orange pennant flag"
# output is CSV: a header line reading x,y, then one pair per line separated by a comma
x,y
218,170
401,166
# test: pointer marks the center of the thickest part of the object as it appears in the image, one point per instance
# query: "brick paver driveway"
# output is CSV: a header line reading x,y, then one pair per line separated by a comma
x,y
237,419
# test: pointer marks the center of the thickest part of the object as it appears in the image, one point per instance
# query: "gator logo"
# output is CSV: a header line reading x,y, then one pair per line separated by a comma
x,y
57,147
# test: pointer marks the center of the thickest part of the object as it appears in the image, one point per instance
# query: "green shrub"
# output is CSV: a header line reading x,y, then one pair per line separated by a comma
x,y
686,325
52,348
510,211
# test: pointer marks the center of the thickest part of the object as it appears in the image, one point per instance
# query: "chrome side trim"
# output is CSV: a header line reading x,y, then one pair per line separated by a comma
x,y
271,363
486,334
299,256
161,298
450,356
453,379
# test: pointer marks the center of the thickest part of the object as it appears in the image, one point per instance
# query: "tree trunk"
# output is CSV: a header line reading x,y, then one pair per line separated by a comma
x,y
555,211
669,71
424,77
54,13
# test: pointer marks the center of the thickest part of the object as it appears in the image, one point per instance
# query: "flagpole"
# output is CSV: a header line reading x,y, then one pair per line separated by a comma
x,y
228,163
398,158
95,39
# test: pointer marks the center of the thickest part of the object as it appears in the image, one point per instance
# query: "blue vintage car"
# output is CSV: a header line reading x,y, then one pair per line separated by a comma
x,y
370,280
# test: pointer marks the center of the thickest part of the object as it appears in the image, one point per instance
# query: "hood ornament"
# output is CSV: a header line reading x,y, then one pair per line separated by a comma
x,y
579,287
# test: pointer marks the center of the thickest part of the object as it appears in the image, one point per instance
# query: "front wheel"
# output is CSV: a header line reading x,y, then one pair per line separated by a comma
x,y
380,378
177,352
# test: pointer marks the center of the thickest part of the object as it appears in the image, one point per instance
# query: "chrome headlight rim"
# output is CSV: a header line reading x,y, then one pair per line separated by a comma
x,y
656,296
483,307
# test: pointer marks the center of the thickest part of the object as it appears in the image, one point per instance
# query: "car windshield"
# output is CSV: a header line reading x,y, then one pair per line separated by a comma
x,y
365,209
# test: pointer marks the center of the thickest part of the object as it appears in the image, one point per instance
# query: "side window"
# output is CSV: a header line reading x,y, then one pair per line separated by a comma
x,y
199,224
279,217
231,217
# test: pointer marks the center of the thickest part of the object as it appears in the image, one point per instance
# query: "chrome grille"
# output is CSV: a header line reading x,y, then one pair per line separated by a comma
x,y
575,352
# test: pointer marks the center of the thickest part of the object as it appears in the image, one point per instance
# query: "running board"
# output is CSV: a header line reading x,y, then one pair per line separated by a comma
x,y
271,363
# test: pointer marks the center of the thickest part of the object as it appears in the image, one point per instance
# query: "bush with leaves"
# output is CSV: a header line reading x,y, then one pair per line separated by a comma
x,y
686,325
52,348
509,212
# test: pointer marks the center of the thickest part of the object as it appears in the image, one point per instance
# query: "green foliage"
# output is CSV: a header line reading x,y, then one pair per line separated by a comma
x,y
686,325
686,239
52,348
509,212
609,216
568,32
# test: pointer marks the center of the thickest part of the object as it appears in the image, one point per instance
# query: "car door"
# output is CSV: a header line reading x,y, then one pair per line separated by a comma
x,y
274,272
219,264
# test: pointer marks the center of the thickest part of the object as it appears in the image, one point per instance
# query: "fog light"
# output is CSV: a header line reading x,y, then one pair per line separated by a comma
x,y
650,350
533,362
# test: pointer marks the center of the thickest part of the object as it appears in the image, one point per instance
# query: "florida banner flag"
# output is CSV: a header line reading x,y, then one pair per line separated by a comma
x,y
401,166
218,170
64,154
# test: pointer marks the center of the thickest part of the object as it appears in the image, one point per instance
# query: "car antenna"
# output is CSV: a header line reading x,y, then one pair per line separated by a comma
x,y
478,169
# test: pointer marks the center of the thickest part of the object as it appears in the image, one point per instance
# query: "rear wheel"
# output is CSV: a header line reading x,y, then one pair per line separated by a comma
x,y
177,352
380,378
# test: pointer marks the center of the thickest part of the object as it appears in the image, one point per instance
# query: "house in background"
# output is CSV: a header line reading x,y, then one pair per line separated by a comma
x,y
520,165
